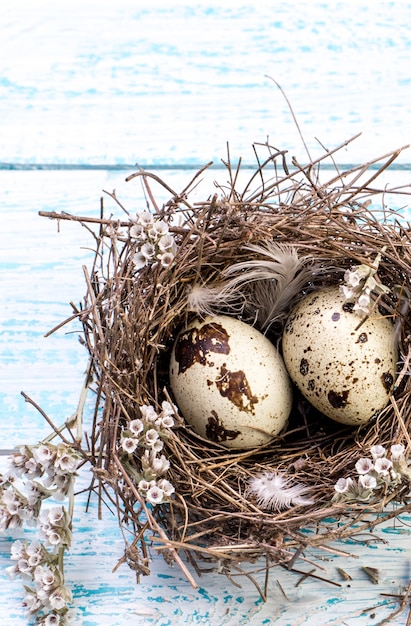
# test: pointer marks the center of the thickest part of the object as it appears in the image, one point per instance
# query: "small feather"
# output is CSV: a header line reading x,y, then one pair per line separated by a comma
x,y
271,281
274,491
213,299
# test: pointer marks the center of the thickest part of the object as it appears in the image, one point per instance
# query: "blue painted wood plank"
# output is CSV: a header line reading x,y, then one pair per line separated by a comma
x,y
129,82
40,273
93,82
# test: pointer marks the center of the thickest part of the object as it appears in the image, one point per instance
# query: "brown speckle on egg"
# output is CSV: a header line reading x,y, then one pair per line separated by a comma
x,y
235,387
338,400
215,430
387,381
194,345
362,338
348,307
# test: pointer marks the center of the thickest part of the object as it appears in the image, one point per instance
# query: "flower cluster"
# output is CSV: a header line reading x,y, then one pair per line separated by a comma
x,y
147,436
276,491
360,284
156,243
35,474
384,470
47,597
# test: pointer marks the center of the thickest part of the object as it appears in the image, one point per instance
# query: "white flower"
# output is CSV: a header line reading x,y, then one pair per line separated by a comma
x,y
166,259
33,468
31,603
54,538
148,413
166,244
377,451
33,548
146,459
157,446
343,485
23,566
143,485
64,484
364,465
152,234
397,451
56,515
139,260
18,549
166,486
9,477
274,491
167,421
383,466
18,462
167,408
67,460
148,251
151,436
45,577
352,278
363,304
160,465
155,495
52,619
145,219
160,227
136,426
129,444
58,599
348,293
34,560
366,481
137,232
44,455
13,502
12,571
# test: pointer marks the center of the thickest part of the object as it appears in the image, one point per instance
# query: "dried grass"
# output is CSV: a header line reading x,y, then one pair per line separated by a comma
x,y
129,321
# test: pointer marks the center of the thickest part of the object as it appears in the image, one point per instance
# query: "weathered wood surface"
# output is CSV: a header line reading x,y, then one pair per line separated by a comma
x,y
90,83
41,273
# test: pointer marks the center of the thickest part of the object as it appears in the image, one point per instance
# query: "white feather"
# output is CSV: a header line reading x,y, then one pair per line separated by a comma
x,y
213,299
274,491
269,282
260,289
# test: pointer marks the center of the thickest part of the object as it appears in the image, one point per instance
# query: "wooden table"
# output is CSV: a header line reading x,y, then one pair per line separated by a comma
x,y
107,84
41,274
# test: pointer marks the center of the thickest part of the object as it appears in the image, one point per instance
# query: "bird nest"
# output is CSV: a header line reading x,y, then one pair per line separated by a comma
x,y
192,498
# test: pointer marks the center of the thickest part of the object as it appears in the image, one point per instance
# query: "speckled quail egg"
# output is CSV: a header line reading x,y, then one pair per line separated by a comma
x,y
230,382
344,366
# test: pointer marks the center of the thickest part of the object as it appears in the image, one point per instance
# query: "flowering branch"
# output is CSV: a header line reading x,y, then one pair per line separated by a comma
x,y
361,283
147,434
156,243
37,473
384,470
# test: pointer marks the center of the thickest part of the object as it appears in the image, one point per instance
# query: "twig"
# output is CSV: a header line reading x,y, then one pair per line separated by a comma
x,y
153,523
404,600
58,431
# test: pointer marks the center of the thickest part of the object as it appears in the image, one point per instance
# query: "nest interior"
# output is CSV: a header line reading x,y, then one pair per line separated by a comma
x,y
130,317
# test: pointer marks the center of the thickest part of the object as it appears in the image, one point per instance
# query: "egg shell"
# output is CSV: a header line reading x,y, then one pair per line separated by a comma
x,y
229,382
344,368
